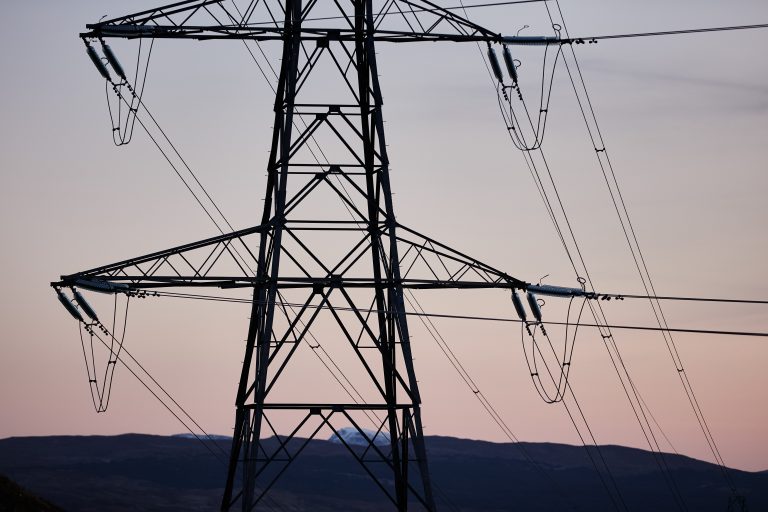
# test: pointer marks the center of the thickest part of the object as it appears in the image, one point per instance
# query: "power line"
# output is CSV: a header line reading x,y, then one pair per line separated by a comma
x,y
184,181
569,40
692,299
600,148
489,4
670,32
601,319
215,298
205,439
415,11
598,313
478,394
531,165
569,387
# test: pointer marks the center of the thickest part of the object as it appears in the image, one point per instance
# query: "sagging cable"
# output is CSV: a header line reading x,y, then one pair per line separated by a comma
x,y
533,353
531,138
123,120
101,389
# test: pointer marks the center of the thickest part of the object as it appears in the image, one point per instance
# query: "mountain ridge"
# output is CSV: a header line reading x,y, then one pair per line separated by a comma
x,y
169,473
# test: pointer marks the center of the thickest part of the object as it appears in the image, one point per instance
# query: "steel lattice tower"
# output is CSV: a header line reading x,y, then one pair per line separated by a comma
x,y
373,223
356,259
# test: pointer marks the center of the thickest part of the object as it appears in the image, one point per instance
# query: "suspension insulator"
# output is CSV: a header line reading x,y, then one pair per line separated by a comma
x,y
98,285
495,67
510,62
69,306
519,306
530,40
87,309
534,305
112,59
97,62
556,291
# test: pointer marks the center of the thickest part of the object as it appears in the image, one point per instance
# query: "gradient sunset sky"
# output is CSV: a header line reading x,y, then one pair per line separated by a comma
x,y
685,119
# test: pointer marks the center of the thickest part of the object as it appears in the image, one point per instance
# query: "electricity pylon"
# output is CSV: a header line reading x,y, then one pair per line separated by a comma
x,y
351,262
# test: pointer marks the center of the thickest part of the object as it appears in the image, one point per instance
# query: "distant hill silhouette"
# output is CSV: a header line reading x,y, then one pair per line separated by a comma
x,y
156,473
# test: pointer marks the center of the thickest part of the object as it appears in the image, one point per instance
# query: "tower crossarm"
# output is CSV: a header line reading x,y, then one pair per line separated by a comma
x,y
445,267
397,21
230,261
200,263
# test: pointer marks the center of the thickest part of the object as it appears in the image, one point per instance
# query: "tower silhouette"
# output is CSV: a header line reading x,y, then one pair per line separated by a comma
x,y
329,247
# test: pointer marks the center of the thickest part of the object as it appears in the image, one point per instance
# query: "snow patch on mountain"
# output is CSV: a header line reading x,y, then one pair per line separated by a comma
x,y
353,437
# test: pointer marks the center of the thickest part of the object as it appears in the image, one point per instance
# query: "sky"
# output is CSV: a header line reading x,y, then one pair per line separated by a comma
x,y
684,119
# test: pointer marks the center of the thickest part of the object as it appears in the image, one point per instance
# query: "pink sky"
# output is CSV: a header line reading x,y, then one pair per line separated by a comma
x,y
684,118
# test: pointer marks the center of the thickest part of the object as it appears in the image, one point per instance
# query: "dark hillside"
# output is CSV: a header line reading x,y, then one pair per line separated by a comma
x,y
14,498
155,473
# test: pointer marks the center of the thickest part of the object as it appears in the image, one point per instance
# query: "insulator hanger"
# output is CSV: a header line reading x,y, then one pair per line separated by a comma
x,y
111,59
122,131
510,63
100,394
